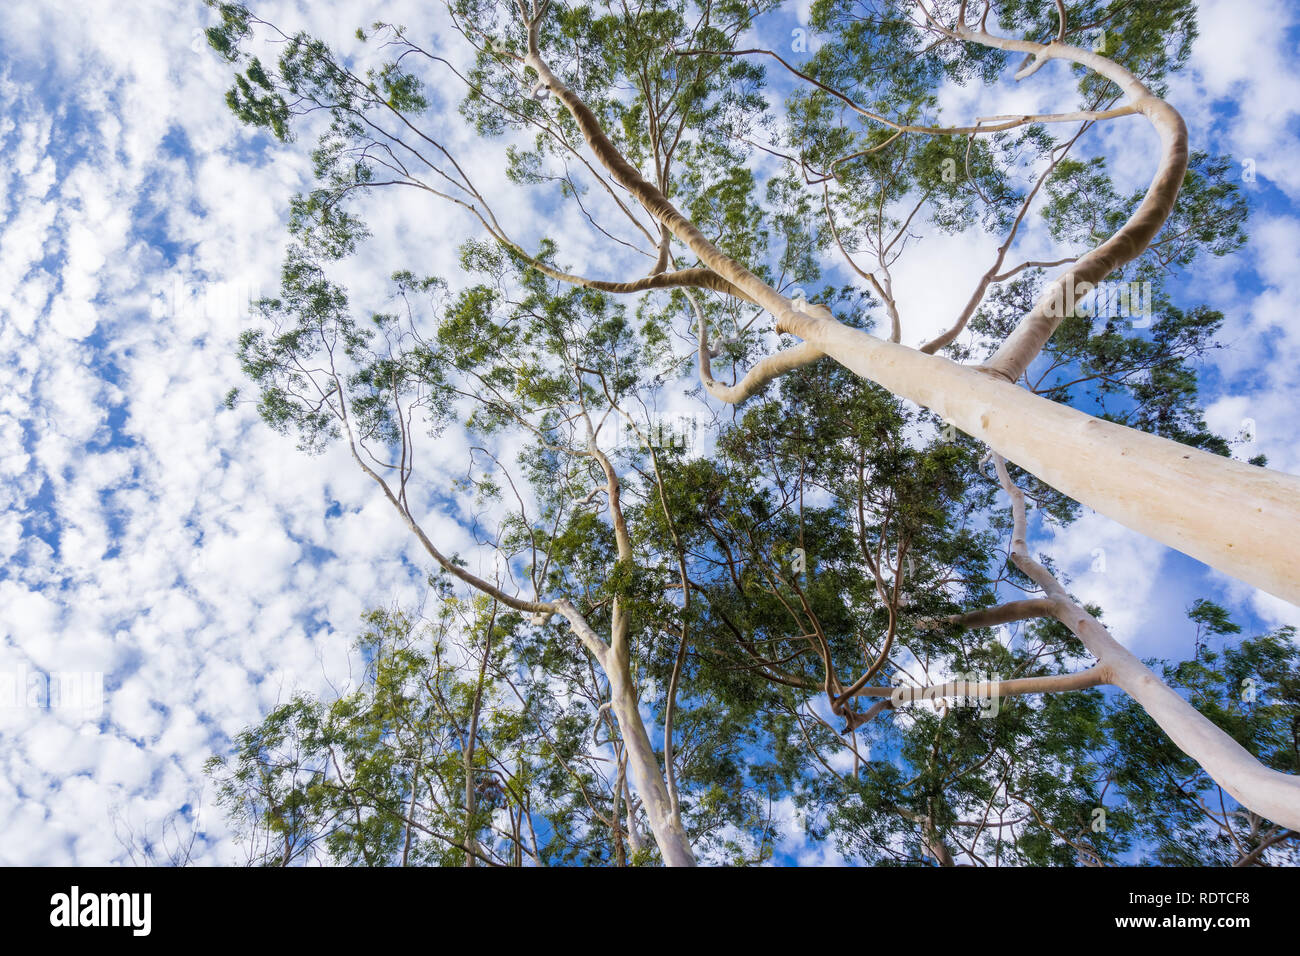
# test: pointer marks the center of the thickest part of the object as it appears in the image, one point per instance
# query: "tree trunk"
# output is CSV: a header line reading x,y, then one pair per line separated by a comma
x,y
642,763
471,740
1240,519
1270,793
647,777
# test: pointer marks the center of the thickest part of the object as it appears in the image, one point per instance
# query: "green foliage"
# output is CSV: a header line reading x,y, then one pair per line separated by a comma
x,y
377,776
818,536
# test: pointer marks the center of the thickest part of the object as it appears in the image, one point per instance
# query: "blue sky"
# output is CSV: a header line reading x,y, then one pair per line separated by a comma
x,y
207,569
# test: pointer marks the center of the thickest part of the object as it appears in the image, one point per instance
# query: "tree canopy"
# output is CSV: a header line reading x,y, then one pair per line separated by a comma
x,y
809,602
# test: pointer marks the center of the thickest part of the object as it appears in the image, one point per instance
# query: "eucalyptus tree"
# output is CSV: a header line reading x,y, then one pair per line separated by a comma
x,y
854,514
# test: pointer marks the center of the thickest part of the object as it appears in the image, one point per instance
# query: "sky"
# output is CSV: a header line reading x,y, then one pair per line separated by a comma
x,y
204,569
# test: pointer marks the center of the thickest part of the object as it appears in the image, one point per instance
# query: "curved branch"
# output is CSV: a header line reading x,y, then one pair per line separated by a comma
x,y
991,689
891,306
1031,334
1268,792
757,377
982,123
650,197
993,616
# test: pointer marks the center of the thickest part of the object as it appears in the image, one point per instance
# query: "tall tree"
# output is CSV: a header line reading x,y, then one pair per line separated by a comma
x,y
832,524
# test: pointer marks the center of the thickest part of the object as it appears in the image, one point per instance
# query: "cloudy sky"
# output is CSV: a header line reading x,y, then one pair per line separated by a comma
x,y
204,566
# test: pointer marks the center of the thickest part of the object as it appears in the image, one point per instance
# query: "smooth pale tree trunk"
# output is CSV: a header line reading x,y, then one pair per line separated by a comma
x,y
647,777
471,743
1268,792
1240,519
615,660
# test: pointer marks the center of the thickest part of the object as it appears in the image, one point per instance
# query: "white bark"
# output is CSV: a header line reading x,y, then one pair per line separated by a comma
x,y
647,778
1268,792
614,659
1238,518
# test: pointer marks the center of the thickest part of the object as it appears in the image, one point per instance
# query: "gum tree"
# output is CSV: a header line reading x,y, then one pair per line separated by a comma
x,y
654,123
